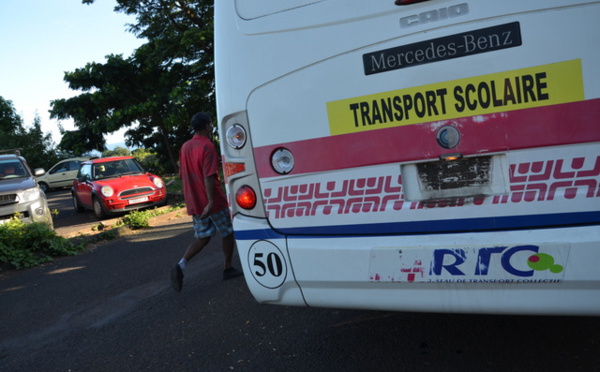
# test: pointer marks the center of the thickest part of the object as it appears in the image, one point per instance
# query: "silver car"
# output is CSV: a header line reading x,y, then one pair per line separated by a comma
x,y
20,194
61,174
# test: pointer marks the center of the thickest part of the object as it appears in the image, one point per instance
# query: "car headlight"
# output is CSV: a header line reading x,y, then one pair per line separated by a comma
x,y
107,191
158,182
30,194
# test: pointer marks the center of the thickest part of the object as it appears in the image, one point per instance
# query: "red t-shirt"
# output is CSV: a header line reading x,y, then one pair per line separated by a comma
x,y
198,159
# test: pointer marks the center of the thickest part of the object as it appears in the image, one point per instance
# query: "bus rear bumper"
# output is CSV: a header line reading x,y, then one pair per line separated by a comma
x,y
552,272
266,262
517,272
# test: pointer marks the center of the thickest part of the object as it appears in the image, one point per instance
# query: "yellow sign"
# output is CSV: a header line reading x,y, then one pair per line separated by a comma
x,y
504,91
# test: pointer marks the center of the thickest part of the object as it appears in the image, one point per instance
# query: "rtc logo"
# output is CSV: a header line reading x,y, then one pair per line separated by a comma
x,y
455,261
525,263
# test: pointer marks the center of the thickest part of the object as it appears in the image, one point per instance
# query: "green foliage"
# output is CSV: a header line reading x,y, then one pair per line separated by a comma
x,y
174,184
118,151
141,219
10,122
150,160
83,140
35,146
138,219
27,245
108,235
154,92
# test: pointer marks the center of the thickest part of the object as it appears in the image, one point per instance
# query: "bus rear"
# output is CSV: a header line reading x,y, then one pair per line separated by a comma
x,y
438,156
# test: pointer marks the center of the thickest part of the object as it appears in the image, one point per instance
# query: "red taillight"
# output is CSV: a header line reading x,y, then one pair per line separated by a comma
x,y
408,2
245,197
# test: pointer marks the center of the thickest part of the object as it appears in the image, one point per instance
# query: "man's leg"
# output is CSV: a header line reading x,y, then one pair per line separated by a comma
x,y
228,247
192,250
195,247
228,250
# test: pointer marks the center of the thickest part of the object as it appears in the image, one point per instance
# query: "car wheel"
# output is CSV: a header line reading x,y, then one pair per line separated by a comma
x,y
44,186
98,209
78,207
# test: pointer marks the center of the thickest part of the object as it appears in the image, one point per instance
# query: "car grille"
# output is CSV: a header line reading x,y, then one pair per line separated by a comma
x,y
8,199
135,193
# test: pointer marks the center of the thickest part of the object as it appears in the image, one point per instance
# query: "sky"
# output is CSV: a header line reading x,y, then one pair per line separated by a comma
x,y
40,40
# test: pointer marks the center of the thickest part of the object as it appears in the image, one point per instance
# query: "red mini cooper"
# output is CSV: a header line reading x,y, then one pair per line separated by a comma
x,y
116,185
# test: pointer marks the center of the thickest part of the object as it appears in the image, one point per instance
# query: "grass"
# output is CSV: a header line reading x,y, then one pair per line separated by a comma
x,y
174,185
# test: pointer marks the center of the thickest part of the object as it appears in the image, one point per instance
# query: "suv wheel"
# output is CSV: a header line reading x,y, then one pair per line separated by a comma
x,y
98,209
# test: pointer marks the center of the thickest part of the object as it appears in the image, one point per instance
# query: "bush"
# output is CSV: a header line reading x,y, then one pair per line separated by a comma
x,y
27,245
141,219
138,219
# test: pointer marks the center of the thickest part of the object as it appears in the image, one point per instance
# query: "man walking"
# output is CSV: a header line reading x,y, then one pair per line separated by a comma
x,y
204,198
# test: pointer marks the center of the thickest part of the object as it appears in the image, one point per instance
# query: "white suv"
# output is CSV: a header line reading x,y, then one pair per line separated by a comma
x,y
61,174
19,192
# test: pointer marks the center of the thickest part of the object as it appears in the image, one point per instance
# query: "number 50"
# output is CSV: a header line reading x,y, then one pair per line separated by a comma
x,y
267,264
271,264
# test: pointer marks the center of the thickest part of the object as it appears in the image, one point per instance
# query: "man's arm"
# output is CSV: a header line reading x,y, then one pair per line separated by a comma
x,y
209,184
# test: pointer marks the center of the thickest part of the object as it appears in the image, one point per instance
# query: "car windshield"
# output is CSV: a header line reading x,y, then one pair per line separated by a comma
x,y
115,168
12,169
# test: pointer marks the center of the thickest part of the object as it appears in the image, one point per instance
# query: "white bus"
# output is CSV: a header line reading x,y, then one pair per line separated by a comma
x,y
436,156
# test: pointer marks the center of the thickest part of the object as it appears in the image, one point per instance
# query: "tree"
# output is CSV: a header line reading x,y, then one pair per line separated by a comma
x,y
34,145
149,160
38,147
154,92
81,141
10,122
117,151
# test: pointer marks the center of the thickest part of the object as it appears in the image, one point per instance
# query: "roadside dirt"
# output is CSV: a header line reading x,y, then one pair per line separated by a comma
x,y
90,229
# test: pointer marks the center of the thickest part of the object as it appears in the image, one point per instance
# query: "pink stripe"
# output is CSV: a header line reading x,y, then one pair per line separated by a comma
x,y
562,124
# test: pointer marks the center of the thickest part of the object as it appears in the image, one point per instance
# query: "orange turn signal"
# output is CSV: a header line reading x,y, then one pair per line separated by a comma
x,y
229,169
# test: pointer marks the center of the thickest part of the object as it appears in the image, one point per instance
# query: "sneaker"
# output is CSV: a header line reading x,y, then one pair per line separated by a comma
x,y
177,278
231,273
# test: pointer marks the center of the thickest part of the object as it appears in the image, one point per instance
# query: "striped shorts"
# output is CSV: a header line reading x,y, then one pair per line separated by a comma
x,y
208,227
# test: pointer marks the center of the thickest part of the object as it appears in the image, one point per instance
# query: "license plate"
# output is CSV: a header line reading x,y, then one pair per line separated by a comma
x,y
138,200
469,177
445,175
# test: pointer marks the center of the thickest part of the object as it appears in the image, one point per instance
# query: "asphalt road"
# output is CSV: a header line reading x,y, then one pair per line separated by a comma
x,y
112,309
60,201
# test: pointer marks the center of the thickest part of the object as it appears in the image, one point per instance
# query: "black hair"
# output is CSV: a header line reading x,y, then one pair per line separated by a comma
x,y
200,121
